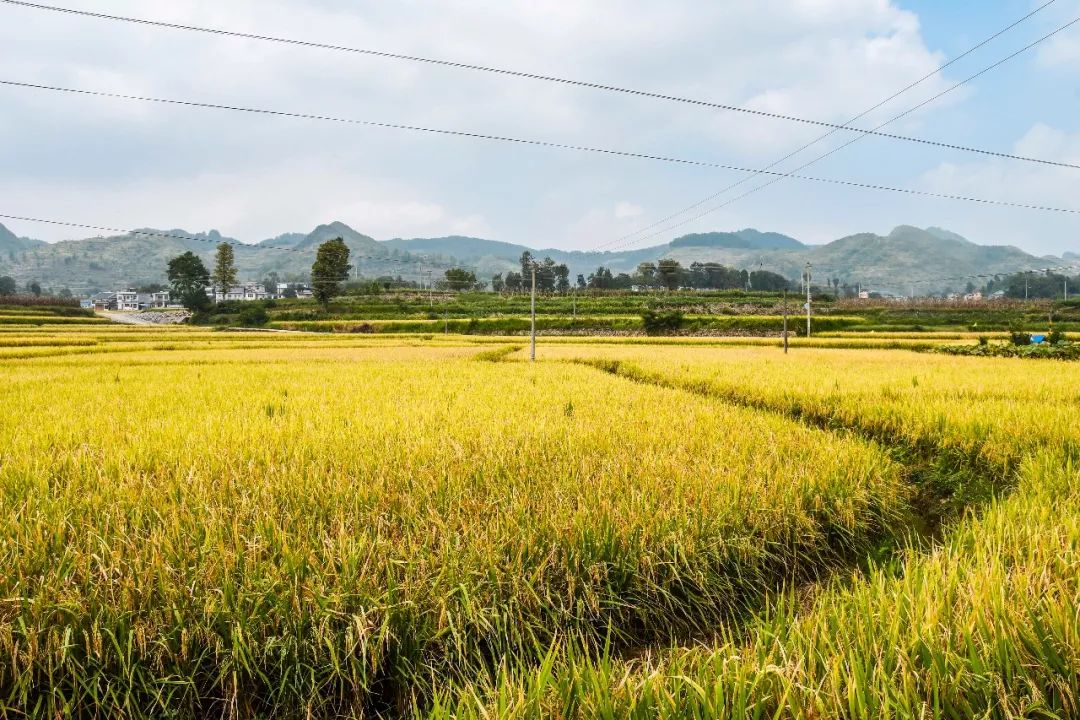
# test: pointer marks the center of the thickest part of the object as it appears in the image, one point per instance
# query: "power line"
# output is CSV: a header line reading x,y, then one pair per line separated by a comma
x,y
543,143
791,174
828,134
468,134
519,74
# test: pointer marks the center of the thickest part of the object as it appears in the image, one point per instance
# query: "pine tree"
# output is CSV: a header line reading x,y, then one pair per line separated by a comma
x,y
224,276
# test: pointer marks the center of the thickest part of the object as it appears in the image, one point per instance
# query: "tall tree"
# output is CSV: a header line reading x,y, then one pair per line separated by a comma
x,y
224,276
601,279
8,286
562,278
527,263
189,278
459,279
270,283
647,271
331,268
545,275
669,271
514,282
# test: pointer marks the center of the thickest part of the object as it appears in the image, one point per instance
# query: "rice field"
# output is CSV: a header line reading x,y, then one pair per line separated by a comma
x,y
225,524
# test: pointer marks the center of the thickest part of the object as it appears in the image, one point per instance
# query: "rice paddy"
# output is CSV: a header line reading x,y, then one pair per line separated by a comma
x,y
226,524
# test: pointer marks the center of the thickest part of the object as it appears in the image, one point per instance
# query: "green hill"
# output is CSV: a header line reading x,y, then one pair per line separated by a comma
x,y
10,243
748,239
885,263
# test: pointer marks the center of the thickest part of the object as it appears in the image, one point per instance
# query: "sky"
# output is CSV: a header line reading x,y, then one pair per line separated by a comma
x,y
127,164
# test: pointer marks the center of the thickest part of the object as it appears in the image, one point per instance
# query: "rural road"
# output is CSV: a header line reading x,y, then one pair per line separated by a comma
x,y
125,318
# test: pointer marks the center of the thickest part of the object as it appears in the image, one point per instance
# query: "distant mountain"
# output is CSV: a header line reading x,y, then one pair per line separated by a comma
x,y
883,263
458,245
749,239
11,243
886,263
286,240
142,257
908,253
358,244
488,257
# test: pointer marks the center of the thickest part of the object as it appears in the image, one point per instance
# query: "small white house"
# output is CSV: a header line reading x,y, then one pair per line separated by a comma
x,y
127,300
103,301
242,293
160,300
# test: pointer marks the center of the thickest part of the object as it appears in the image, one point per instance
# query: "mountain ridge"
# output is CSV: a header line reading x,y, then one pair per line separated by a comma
x,y
888,263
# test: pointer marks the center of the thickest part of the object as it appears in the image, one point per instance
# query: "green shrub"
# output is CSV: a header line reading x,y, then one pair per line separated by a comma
x,y
254,315
659,323
1019,338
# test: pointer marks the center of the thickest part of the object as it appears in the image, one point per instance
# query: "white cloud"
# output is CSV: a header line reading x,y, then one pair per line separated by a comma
x,y
1063,50
1018,182
257,176
247,208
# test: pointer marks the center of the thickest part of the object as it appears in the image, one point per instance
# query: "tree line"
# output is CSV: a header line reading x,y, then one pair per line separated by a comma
x,y
664,274
189,278
667,274
1044,285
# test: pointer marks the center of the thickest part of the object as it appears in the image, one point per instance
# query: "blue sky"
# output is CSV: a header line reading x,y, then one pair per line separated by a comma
x,y
123,164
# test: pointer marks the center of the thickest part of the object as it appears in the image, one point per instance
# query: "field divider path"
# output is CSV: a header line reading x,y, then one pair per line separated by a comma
x,y
947,482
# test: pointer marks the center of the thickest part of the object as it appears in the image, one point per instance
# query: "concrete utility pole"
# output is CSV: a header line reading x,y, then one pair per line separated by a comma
x,y
1066,289
785,322
532,332
809,267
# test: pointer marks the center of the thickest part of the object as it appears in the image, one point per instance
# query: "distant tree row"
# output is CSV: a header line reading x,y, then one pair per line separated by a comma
x,y
1034,285
550,276
669,274
8,286
189,278
666,274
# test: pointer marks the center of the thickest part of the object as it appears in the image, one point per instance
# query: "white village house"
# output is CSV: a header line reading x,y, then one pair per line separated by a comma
x,y
245,292
132,300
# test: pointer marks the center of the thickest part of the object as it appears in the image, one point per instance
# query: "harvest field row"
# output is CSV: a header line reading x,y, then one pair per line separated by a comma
x,y
312,525
55,341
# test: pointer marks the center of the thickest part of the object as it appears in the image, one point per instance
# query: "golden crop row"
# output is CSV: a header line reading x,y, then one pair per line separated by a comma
x,y
984,624
327,529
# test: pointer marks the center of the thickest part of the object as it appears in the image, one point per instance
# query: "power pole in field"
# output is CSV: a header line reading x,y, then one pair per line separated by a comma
x,y
532,332
809,267
785,322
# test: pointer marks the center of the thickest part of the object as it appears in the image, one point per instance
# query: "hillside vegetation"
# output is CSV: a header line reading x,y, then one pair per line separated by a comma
x,y
882,263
